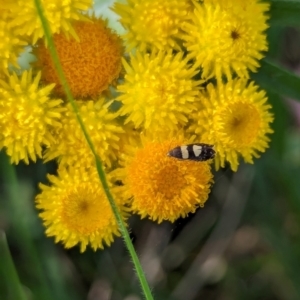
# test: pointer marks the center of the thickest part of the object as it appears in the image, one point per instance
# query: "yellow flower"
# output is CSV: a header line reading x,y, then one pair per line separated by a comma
x,y
26,117
235,118
161,187
158,91
10,44
152,24
75,209
59,14
89,65
71,147
227,36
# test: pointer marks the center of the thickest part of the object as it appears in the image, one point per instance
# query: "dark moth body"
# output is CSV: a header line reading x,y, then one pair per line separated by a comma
x,y
196,152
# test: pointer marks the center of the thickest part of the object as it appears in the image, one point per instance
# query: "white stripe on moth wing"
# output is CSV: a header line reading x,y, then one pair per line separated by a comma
x,y
184,152
197,150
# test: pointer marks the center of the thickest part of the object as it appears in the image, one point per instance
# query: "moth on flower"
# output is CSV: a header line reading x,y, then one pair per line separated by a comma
x,y
195,152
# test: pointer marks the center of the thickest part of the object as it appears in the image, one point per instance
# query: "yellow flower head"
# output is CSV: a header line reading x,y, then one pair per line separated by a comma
x,y
71,147
235,118
158,91
226,36
162,187
89,65
10,44
27,116
152,24
59,14
75,209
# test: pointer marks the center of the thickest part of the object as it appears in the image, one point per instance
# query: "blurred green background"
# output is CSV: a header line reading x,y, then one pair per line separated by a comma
x,y
244,244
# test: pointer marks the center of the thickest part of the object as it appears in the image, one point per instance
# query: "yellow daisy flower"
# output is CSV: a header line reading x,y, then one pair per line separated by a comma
x,y
10,44
158,91
152,24
90,65
59,14
26,116
162,187
226,36
75,209
235,117
71,147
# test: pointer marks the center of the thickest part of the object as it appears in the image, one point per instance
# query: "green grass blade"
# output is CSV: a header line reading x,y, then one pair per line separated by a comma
x,y
22,230
102,177
10,278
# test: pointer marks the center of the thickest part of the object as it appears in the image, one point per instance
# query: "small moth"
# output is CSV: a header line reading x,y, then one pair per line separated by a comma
x,y
196,152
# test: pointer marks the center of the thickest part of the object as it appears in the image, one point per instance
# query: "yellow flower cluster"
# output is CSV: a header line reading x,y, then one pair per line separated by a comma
x,y
217,42
37,122
183,80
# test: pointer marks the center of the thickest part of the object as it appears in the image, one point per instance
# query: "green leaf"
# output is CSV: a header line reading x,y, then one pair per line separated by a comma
x,y
278,80
279,125
285,13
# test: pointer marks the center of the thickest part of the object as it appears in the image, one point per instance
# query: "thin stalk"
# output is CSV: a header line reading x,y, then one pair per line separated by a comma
x,y
101,173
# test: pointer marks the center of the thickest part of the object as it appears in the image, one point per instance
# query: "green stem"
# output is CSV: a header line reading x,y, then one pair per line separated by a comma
x,y
101,173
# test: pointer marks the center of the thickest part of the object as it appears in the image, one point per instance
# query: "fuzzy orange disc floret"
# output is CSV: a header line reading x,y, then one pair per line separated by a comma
x,y
89,65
